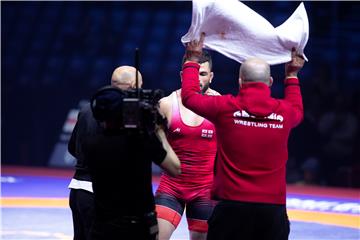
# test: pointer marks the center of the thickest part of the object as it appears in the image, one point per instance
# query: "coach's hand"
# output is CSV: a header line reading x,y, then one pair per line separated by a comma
x,y
293,67
194,49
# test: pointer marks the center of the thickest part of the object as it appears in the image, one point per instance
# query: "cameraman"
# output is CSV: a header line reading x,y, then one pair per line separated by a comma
x,y
120,169
116,158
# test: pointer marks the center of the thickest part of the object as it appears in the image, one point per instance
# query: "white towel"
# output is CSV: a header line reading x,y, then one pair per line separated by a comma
x,y
238,32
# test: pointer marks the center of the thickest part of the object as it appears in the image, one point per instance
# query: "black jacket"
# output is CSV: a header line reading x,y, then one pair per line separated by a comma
x,y
118,164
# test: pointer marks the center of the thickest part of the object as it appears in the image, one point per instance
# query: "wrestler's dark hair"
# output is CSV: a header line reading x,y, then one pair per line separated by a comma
x,y
205,57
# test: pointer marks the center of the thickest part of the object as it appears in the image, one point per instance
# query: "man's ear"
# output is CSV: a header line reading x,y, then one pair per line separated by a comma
x,y
271,80
240,81
211,76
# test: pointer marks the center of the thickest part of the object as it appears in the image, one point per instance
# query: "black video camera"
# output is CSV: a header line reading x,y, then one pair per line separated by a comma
x,y
140,109
129,109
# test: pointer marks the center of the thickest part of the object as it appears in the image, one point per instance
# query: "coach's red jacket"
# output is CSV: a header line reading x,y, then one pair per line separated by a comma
x,y
252,135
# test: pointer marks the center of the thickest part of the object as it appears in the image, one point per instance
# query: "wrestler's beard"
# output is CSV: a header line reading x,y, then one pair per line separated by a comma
x,y
204,88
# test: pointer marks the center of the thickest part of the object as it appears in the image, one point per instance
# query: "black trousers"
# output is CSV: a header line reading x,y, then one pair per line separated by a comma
x,y
124,227
232,220
82,208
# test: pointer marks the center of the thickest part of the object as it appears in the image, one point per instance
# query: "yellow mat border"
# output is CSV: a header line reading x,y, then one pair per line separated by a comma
x,y
337,219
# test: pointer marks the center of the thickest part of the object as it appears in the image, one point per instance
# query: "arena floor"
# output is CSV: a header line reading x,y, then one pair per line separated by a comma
x,y
34,205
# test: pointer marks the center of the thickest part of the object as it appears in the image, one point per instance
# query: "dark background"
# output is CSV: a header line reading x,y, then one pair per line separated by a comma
x,y
54,54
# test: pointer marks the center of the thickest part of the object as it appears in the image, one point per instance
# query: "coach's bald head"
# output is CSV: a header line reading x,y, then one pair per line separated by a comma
x,y
255,70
